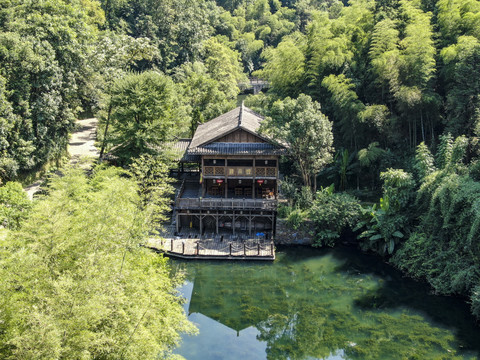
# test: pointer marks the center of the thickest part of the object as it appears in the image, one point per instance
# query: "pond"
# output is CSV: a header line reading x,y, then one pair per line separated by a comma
x,y
320,304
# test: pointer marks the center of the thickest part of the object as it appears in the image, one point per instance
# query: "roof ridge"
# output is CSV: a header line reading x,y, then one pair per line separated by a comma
x,y
240,115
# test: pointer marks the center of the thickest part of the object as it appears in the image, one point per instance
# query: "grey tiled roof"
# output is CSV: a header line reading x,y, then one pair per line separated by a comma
x,y
203,143
237,149
180,147
238,118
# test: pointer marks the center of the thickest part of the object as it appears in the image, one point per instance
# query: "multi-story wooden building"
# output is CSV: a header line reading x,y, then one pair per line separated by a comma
x,y
237,190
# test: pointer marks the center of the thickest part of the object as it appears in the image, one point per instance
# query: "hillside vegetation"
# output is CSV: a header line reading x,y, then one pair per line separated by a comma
x,y
379,102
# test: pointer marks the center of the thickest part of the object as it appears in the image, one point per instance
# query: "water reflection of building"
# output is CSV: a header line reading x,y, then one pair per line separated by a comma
x,y
238,297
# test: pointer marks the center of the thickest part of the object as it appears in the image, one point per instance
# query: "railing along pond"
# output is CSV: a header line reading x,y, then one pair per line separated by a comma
x,y
237,204
196,247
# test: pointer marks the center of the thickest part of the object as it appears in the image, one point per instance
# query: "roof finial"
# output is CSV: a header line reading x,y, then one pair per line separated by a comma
x,y
240,116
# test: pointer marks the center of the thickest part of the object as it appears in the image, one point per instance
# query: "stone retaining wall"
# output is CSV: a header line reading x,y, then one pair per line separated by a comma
x,y
302,236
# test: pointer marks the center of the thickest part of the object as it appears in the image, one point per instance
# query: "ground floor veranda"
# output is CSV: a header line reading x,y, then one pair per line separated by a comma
x,y
226,223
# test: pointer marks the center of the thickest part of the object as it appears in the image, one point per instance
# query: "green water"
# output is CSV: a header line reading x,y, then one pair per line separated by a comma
x,y
320,304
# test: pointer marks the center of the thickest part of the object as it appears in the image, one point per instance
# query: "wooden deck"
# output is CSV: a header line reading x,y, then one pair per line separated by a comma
x,y
196,248
226,204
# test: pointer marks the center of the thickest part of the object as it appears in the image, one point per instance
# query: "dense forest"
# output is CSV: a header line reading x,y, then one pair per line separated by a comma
x,y
378,102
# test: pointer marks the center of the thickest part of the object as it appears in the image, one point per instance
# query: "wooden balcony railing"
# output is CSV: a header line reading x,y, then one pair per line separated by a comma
x,y
213,170
265,172
240,171
226,204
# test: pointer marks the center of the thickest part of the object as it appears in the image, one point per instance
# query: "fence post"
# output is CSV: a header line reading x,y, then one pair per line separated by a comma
x,y
244,250
183,248
258,253
230,249
171,245
271,249
198,249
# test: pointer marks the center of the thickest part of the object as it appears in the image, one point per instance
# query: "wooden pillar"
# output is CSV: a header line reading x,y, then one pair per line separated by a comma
x,y
216,219
201,223
204,181
253,188
274,232
226,187
177,222
250,224
233,222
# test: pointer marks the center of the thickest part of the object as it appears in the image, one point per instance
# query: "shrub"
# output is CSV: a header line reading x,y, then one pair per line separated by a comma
x,y
332,214
283,211
296,218
14,205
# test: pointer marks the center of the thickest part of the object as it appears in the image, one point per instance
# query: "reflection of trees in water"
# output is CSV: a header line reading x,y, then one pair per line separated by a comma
x,y
307,309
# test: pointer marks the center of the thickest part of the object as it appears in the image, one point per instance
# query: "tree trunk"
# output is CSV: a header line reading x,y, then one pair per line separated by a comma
x,y
104,142
421,123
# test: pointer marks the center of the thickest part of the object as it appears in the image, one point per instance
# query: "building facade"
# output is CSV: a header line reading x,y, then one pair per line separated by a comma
x,y
237,190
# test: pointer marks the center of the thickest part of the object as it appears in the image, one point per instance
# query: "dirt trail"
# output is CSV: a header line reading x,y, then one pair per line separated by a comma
x,y
81,145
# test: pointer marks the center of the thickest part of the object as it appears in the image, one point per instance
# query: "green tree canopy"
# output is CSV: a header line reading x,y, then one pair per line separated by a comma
x,y
77,285
146,111
299,125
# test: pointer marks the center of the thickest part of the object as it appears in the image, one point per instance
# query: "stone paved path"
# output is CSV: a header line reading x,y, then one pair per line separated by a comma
x,y
81,145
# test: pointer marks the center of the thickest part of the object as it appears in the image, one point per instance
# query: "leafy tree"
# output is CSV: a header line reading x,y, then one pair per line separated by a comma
x,y
371,157
305,131
177,28
45,77
14,205
384,55
347,106
146,111
203,93
463,87
76,282
116,54
333,214
424,162
224,66
285,64
155,186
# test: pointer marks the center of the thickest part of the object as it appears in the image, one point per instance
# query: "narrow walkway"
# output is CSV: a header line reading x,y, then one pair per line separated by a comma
x,y
82,142
81,145
214,248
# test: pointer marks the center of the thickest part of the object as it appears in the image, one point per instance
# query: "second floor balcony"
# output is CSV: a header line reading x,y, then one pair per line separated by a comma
x,y
226,204
239,171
